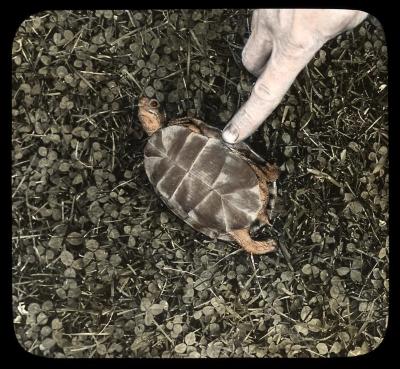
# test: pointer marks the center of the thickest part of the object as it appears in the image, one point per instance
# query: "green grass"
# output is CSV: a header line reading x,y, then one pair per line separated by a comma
x,y
101,268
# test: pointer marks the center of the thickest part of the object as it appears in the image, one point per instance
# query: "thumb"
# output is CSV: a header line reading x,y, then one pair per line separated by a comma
x,y
277,77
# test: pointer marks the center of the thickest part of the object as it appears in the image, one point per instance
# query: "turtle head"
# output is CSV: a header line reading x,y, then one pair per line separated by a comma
x,y
150,114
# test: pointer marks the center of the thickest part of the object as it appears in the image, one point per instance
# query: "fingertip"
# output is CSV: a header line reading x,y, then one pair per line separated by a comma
x,y
230,134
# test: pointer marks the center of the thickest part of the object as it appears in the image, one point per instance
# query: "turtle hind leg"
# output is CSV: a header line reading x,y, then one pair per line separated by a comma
x,y
271,172
262,216
243,238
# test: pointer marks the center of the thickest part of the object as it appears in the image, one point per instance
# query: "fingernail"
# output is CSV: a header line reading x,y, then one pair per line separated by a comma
x,y
230,134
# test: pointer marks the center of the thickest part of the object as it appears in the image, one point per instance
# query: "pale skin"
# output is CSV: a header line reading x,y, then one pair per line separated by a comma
x,y
281,43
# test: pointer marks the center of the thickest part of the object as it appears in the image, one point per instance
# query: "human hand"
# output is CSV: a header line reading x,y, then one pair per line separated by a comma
x,y
281,43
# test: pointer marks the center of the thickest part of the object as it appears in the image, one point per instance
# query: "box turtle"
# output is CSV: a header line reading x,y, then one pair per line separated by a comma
x,y
221,190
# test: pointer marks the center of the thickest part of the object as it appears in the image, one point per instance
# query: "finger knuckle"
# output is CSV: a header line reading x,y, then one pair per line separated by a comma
x,y
244,57
250,65
247,62
295,46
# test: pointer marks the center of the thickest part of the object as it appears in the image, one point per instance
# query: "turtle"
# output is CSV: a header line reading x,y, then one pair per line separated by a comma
x,y
221,190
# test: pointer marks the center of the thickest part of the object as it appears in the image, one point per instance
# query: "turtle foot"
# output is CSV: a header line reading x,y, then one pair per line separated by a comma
x,y
243,238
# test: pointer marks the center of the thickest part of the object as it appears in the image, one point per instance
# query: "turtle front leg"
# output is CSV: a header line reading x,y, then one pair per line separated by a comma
x,y
188,125
243,238
199,126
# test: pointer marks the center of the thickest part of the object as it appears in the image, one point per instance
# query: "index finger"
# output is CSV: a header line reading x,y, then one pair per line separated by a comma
x,y
277,77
